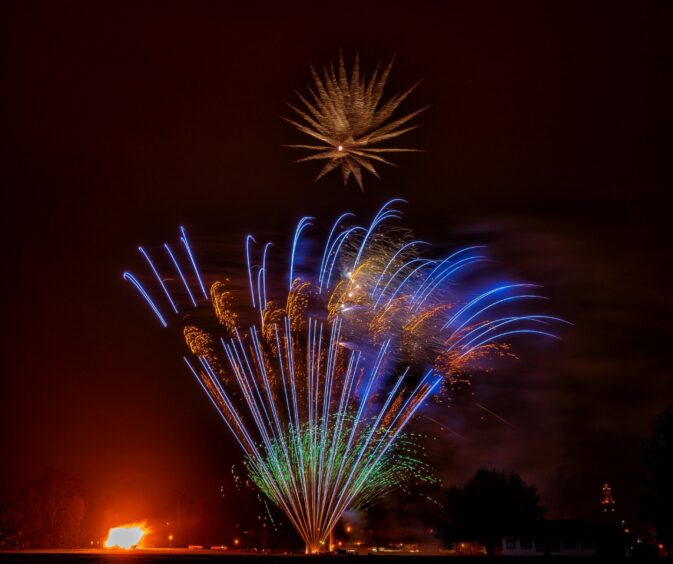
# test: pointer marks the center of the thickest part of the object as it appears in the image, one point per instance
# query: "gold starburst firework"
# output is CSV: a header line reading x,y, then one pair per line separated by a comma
x,y
350,119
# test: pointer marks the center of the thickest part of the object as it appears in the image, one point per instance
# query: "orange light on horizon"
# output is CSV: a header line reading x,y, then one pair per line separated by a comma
x,y
126,536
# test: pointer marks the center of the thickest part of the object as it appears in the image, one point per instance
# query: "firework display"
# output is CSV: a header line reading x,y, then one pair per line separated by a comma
x,y
350,119
318,387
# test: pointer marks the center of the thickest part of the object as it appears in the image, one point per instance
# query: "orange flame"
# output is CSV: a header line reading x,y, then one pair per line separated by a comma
x,y
127,536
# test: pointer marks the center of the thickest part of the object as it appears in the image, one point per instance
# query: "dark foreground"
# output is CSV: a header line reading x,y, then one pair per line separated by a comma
x,y
194,557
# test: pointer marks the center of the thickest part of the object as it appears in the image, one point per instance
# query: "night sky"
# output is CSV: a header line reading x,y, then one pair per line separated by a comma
x,y
548,138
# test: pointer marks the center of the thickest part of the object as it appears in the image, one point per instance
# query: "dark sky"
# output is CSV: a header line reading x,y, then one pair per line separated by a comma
x,y
548,137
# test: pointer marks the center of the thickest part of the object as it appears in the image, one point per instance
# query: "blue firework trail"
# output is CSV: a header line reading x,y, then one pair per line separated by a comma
x,y
320,387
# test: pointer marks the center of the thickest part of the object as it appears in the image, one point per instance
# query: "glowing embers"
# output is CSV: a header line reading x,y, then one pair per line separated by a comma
x,y
127,536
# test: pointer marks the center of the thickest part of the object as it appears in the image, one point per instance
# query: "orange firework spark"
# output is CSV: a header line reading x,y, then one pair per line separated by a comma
x,y
348,116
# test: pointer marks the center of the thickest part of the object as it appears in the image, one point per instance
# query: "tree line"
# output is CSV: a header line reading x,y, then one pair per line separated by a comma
x,y
51,509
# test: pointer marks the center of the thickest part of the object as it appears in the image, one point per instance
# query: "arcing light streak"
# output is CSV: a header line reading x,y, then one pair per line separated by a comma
x,y
339,241
424,262
505,334
423,289
182,276
498,302
482,297
327,245
303,223
382,215
392,260
261,284
185,242
319,388
249,238
132,279
159,279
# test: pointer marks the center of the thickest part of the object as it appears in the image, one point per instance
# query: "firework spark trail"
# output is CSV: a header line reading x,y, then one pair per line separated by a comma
x,y
444,427
318,392
498,417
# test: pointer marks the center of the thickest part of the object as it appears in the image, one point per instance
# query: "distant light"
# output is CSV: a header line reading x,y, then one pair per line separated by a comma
x,y
341,147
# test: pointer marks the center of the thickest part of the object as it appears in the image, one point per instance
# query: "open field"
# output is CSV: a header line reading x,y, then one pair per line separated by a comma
x,y
183,556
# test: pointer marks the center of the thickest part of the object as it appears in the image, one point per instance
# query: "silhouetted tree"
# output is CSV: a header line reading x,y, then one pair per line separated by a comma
x,y
657,454
48,513
489,506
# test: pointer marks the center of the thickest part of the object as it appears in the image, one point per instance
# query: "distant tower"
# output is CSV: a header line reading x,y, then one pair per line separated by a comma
x,y
607,501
